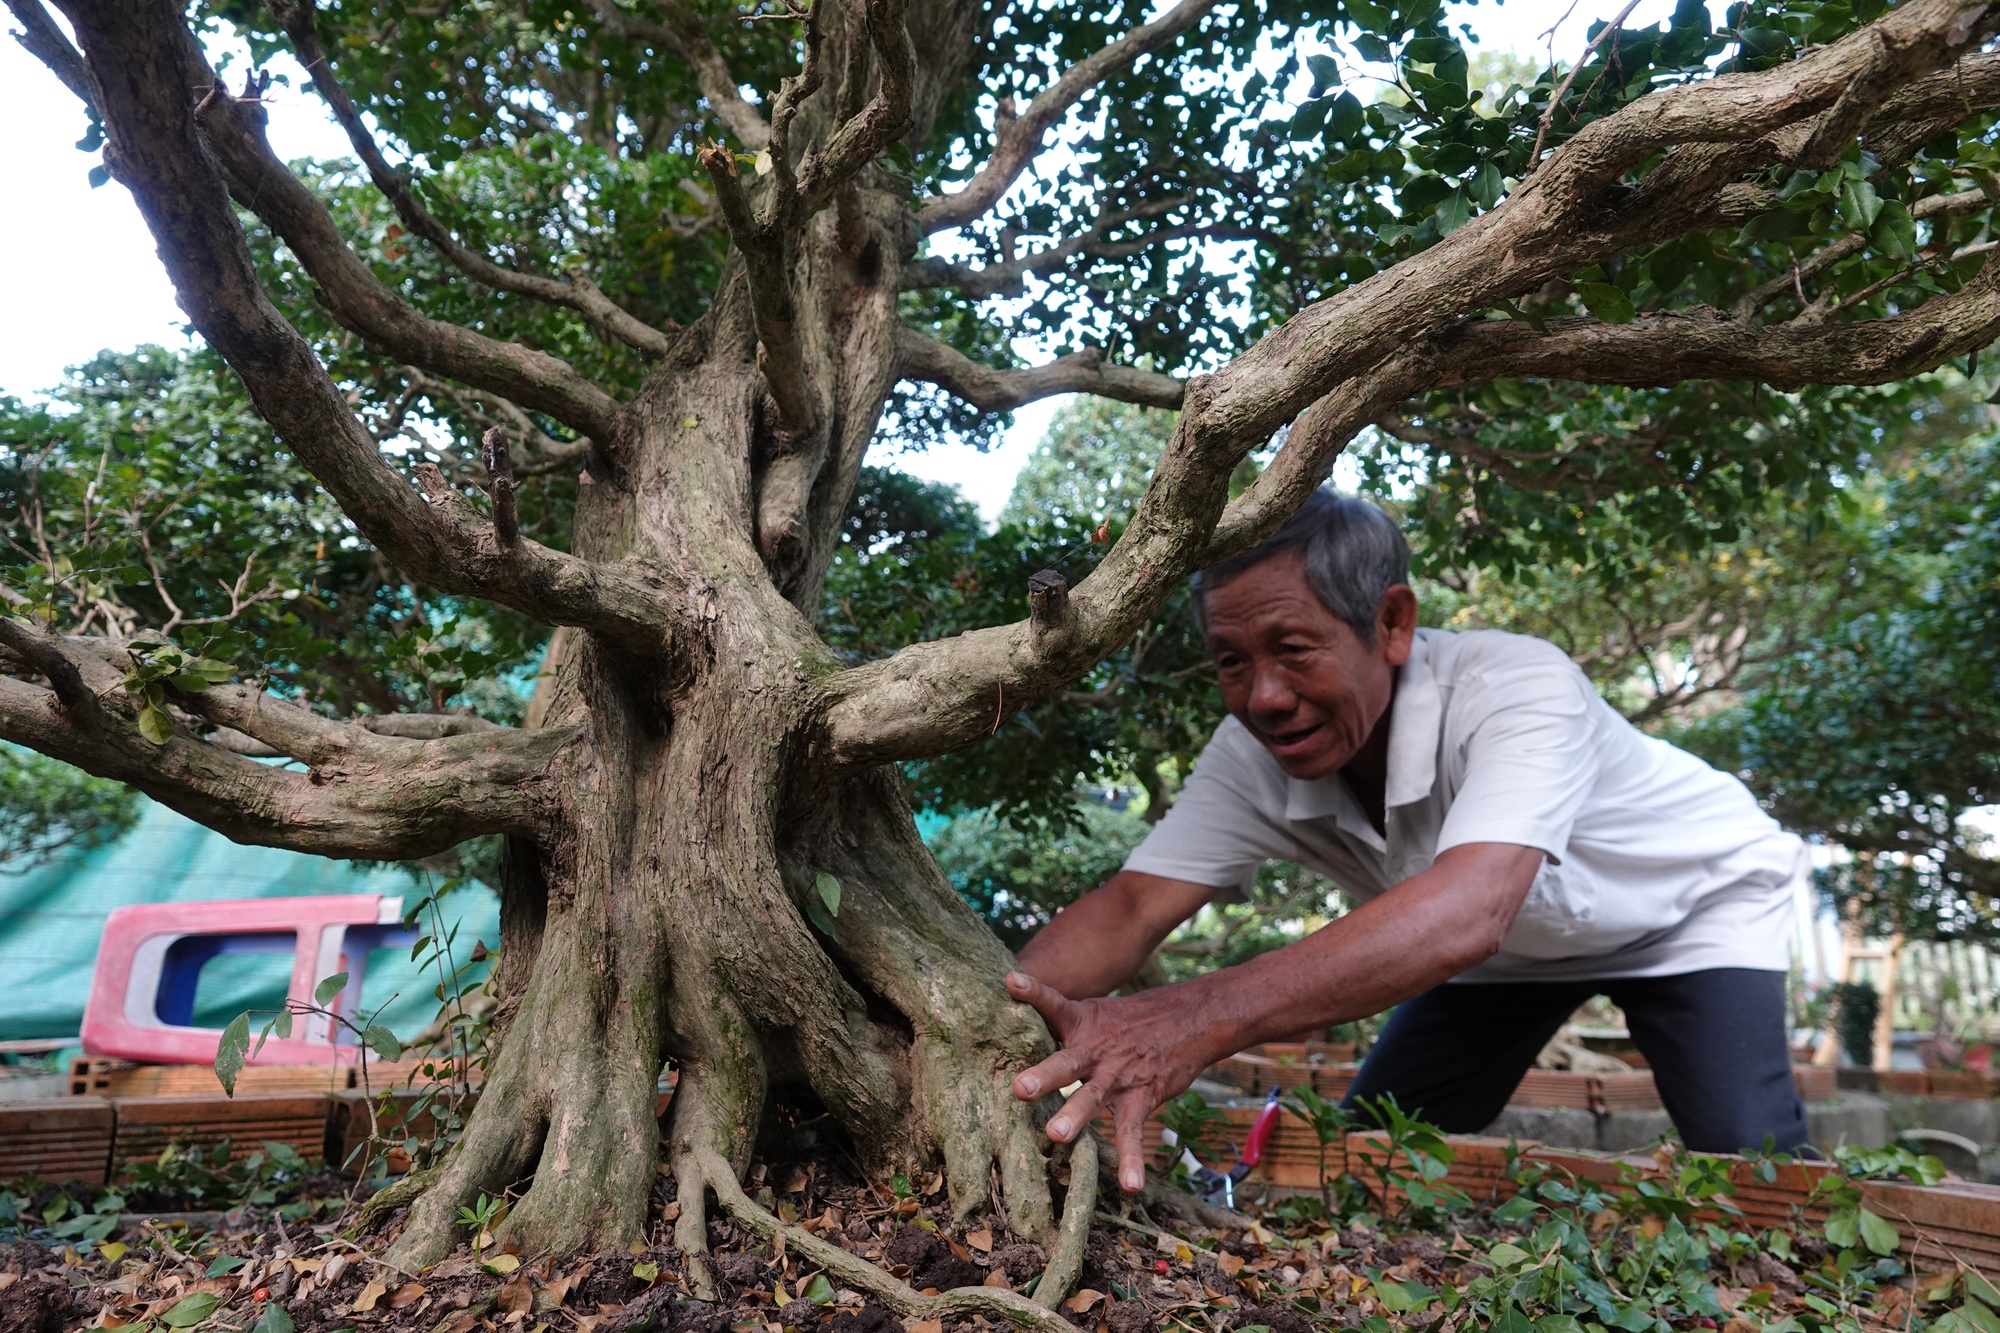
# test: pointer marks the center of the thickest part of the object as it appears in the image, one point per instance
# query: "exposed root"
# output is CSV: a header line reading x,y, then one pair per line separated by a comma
x,y
861,1275
392,1196
1166,1201
691,1227
1066,1255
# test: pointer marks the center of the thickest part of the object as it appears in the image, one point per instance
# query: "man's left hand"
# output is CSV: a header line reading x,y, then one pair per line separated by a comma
x,y
1131,1054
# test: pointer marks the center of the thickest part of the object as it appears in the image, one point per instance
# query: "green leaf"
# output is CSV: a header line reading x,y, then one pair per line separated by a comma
x,y
1859,204
1894,233
1517,1209
274,1320
1403,1297
223,1263
99,174
1504,1255
229,1052
281,1024
323,993
1558,1323
1634,1318
191,1310
1972,1317
1326,74
383,1042
1453,212
819,1291
829,892
1843,1228
154,724
1877,1232
1606,302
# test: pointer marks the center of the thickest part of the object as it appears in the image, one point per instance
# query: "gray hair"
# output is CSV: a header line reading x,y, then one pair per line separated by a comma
x,y
1353,553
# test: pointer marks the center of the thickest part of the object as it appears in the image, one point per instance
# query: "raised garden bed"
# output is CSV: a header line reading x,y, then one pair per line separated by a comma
x,y
66,1138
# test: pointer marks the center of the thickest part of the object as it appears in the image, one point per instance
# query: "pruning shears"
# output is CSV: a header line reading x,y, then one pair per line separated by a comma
x,y
1220,1186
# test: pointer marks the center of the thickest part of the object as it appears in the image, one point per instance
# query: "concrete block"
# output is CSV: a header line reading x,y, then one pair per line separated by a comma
x,y
1859,1119
1557,1126
1632,1131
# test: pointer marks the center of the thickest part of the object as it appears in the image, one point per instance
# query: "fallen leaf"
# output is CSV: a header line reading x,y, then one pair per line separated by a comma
x,y
957,1251
334,1268
1740,1325
465,1323
191,1310
370,1294
796,1181
646,1271
672,1212
980,1240
112,1250
304,1266
1231,1264
517,1297
501,1263
996,1278
407,1295
924,1326
1083,1300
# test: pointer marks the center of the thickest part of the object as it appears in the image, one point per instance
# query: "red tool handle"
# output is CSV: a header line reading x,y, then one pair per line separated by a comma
x,y
1260,1133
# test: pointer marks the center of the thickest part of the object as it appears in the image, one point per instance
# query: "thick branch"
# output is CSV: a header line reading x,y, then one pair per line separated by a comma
x,y
578,294
764,249
43,40
683,34
1668,349
1020,140
138,53
933,362
861,138
363,795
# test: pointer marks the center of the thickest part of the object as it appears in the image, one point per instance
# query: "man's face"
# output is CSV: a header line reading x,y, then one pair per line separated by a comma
x,y
1295,674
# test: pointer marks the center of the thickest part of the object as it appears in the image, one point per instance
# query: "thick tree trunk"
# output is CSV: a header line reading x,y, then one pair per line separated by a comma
x,y
669,920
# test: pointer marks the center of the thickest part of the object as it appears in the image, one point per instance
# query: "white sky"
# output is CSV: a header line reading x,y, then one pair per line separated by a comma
x,y
83,274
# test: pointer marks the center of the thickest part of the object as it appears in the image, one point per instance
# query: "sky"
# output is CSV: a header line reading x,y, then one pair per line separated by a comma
x,y
84,275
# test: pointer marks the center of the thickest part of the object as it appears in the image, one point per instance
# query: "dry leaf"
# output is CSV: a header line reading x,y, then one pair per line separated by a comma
x,y
335,1266
1231,1264
980,1240
516,1297
370,1294
796,1181
672,1212
407,1295
1083,1300
501,1263
924,1326
958,1251
8,1279
304,1266
997,1278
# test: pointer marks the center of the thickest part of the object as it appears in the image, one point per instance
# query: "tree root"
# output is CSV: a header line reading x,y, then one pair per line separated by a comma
x,y
390,1197
1066,1255
1166,1201
861,1275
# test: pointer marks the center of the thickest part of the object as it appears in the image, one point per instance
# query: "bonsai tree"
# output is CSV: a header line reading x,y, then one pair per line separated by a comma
x,y
680,257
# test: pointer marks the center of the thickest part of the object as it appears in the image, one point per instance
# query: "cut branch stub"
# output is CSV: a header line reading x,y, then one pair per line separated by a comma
x,y
500,468
1048,599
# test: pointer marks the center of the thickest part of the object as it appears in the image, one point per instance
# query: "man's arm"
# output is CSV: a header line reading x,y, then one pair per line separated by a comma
x,y
1134,1052
1098,942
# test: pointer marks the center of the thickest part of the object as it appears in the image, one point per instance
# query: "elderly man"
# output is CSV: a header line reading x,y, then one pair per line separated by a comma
x,y
1512,845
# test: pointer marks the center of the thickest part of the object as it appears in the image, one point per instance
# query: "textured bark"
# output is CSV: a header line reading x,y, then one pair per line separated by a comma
x,y
695,759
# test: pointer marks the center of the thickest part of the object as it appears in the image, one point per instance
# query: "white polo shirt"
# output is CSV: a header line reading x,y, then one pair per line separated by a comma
x,y
1657,864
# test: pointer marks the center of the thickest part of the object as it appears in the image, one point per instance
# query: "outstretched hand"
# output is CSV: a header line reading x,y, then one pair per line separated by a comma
x,y
1131,1054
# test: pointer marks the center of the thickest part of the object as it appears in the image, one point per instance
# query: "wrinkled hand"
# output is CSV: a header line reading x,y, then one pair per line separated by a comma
x,y
1130,1053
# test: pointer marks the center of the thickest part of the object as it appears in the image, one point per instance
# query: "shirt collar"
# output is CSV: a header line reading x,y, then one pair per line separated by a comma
x,y
1414,718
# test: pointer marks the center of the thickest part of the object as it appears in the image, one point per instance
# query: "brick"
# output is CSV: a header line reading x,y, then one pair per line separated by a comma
x,y
67,1138
146,1125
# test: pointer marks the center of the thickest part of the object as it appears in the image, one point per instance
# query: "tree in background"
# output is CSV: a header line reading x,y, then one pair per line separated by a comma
x,y
679,262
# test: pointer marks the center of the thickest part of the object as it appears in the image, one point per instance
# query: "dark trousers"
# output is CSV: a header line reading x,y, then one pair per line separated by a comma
x,y
1716,1041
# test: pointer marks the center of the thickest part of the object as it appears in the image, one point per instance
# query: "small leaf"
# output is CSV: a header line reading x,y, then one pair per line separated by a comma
x,y
383,1042
370,1294
829,892
274,1320
281,1024
1877,1232
223,1263
99,174
191,1310
229,1052
1507,1256
646,1271
501,1263
819,1291
154,724
1326,74
113,1251
1606,302
323,993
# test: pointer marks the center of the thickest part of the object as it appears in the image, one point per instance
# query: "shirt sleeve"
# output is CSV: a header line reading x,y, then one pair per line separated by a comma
x,y
1224,824
1531,757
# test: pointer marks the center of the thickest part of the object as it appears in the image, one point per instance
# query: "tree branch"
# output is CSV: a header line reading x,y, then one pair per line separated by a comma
x,y
685,36
933,362
578,294
364,794
138,54
232,134
1004,278
43,40
1019,141
1816,263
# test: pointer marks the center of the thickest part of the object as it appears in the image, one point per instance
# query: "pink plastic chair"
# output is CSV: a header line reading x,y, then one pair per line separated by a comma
x,y
142,994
